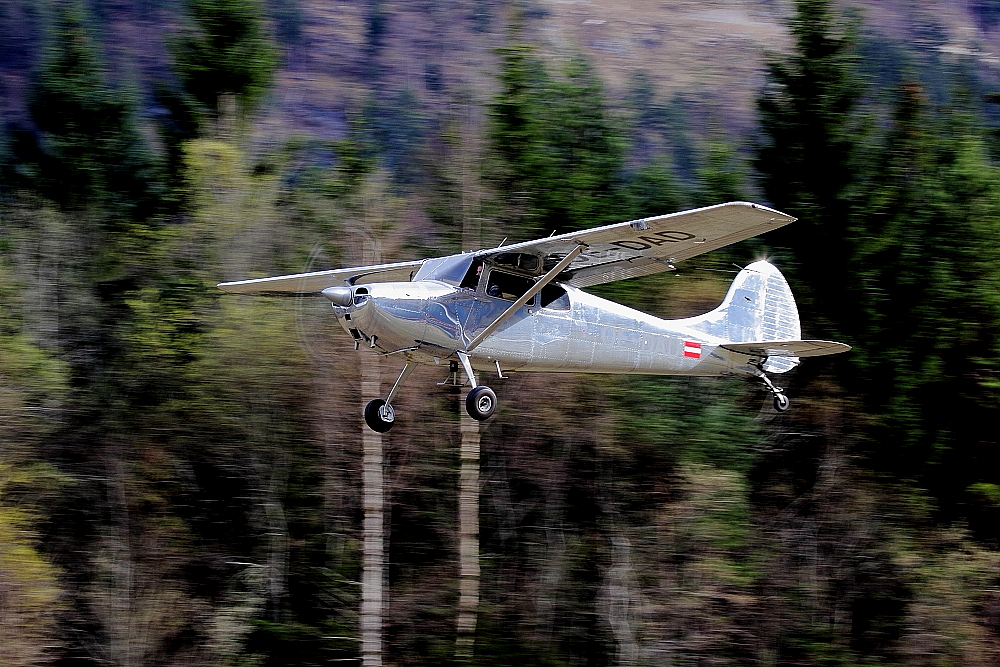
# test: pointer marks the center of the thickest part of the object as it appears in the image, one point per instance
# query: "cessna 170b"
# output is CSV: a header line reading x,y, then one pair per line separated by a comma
x,y
521,308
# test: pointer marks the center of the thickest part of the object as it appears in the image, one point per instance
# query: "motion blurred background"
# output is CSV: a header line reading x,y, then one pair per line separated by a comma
x,y
180,470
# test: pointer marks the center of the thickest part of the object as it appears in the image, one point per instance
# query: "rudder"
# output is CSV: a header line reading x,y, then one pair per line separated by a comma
x,y
758,307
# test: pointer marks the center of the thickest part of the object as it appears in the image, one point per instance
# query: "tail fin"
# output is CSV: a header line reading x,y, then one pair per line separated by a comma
x,y
758,307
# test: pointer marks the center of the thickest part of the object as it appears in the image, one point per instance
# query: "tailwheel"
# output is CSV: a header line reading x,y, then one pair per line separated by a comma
x,y
781,401
480,403
379,415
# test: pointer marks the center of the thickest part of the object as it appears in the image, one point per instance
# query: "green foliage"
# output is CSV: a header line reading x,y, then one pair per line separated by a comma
x,y
927,269
695,421
26,371
31,596
33,388
915,224
720,179
179,125
806,160
212,441
559,156
223,51
88,154
650,191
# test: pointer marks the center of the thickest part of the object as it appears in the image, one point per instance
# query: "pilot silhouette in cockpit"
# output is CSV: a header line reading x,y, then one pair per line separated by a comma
x,y
471,280
473,277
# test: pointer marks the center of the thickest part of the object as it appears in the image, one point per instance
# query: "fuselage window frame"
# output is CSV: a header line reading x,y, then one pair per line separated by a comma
x,y
506,286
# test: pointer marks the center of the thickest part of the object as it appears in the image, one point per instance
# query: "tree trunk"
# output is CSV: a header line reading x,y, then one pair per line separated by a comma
x,y
468,538
372,577
468,486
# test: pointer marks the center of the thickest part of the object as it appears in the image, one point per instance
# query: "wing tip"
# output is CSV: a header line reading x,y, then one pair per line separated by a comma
x,y
760,207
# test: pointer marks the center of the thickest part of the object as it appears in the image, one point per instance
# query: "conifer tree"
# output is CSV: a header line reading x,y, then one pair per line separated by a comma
x,y
805,160
87,153
926,268
559,155
224,51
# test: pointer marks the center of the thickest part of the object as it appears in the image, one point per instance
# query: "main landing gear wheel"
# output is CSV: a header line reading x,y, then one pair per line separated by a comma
x,y
480,403
781,402
379,416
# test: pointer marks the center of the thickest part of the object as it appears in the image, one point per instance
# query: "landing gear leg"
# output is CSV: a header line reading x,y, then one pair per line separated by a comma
x,y
379,414
481,401
781,401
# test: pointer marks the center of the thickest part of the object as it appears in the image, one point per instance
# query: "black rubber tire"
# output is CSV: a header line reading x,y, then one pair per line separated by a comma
x,y
378,419
781,402
480,403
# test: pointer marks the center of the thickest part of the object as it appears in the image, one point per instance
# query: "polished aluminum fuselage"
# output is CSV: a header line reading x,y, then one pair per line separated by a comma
x,y
430,321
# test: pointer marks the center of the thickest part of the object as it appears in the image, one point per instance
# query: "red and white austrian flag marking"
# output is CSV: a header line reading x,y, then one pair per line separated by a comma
x,y
692,350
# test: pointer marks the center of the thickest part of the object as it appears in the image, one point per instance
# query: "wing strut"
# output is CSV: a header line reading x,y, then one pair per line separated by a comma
x,y
526,297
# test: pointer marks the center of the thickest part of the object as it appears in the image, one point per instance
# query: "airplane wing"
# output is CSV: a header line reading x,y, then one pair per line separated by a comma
x,y
613,252
650,245
317,281
788,348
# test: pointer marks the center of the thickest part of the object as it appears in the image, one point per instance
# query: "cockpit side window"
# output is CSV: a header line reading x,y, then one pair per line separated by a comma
x,y
507,286
471,279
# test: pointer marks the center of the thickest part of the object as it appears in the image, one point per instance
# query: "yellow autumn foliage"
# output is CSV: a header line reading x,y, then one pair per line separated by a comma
x,y
29,586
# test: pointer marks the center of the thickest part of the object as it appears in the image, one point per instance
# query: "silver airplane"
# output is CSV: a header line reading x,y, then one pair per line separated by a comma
x,y
521,308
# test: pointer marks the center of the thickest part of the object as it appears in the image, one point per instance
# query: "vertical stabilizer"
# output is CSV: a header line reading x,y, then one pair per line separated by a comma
x,y
758,307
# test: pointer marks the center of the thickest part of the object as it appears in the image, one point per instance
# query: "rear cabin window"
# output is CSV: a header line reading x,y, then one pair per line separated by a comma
x,y
517,260
555,297
508,286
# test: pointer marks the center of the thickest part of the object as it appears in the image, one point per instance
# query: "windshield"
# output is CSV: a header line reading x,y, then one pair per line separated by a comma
x,y
450,269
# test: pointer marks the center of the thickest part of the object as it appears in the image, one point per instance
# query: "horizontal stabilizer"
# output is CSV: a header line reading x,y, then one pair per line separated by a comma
x,y
317,281
788,348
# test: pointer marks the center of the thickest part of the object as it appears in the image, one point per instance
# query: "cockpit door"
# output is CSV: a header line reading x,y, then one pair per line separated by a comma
x,y
496,291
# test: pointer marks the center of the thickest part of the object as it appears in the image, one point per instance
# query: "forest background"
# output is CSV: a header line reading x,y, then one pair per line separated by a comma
x,y
180,470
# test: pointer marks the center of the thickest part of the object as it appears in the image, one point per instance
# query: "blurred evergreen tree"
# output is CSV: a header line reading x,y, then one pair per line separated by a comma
x,y
914,223
223,53
806,161
650,190
720,178
224,50
85,151
658,127
927,266
178,123
559,155
395,127
376,25
87,157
